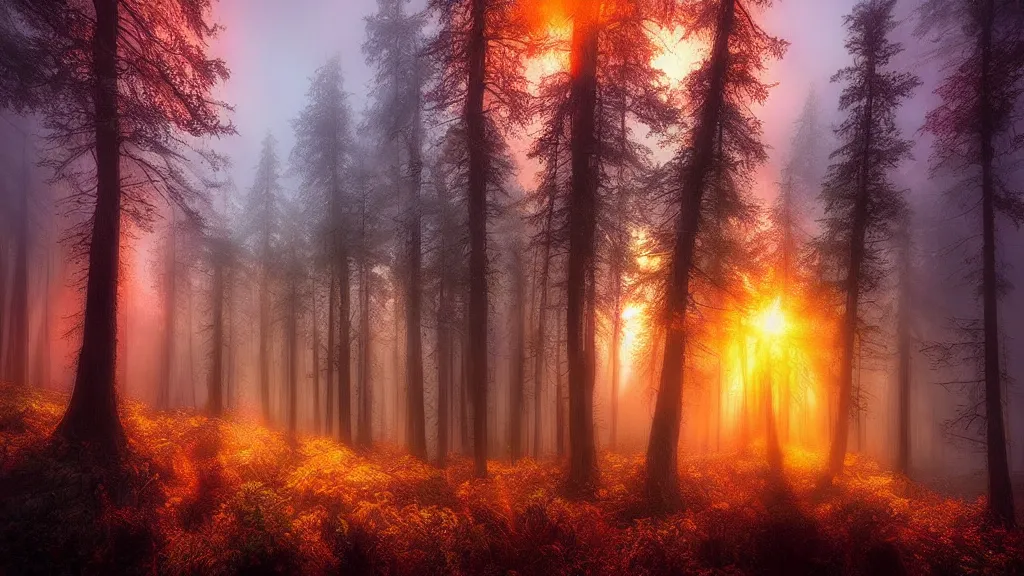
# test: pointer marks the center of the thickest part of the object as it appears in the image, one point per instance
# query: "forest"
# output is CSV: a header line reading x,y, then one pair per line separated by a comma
x,y
511,287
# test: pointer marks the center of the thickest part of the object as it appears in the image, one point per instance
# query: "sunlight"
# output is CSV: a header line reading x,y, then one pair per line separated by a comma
x,y
771,321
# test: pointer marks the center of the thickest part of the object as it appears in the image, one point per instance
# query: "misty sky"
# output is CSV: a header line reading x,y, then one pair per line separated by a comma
x,y
273,47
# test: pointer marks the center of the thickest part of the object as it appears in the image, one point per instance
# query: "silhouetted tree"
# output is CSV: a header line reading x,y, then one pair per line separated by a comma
x,y
123,81
478,55
983,50
393,47
719,93
861,205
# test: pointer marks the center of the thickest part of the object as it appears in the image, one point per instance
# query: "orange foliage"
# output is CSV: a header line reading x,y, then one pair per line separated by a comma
x,y
220,497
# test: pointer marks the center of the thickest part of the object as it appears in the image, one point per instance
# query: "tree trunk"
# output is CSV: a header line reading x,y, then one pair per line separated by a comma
x,y
903,354
215,391
444,367
163,397
477,203
331,351
837,452
465,396
517,359
293,357
541,345
18,362
364,432
91,417
662,449
1000,493
414,344
582,223
317,424
771,432
344,347
559,393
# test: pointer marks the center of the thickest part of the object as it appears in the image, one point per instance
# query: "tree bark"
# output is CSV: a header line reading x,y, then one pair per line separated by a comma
x,y
662,449
582,223
1000,497
91,417
477,203
293,356
331,351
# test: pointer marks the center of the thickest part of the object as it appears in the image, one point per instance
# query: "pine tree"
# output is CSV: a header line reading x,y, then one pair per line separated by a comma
x,y
983,43
322,157
261,228
719,93
393,48
861,204
122,82
478,54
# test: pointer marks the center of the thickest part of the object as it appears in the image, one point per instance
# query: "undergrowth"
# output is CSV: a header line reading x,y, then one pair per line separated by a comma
x,y
202,496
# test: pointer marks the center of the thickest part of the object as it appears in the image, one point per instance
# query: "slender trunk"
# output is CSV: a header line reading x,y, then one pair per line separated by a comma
x,y
191,346
517,359
903,353
164,393
317,424
541,346
215,391
477,203
858,230
344,347
18,363
264,358
662,449
91,416
1000,493
559,393
331,350
582,222
443,368
293,356
464,396
414,295
364,432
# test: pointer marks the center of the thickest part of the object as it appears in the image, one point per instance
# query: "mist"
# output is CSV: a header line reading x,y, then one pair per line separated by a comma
x,y
332,226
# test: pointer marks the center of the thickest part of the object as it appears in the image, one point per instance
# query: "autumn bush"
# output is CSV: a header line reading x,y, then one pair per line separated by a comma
x,y
204,496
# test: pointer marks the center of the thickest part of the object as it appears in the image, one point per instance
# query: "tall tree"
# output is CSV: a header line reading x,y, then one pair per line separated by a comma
x,y
393,47
719,92
123,81
983,44
261,225
861,205
322,156
478,52
903,346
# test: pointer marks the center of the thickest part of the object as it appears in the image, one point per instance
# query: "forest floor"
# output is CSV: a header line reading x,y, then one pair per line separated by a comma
x,y
203,496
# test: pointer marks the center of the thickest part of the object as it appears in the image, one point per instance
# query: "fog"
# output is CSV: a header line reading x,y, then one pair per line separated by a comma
x,y
273,50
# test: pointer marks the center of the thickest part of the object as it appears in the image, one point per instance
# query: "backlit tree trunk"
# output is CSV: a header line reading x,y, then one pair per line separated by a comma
x,y
92,417
582,223
663,444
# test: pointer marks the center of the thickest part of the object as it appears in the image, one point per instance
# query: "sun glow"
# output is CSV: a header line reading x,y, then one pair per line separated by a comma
x,y
771,321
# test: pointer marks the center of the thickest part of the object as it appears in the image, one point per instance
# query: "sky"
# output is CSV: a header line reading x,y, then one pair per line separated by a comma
x,y
273,47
